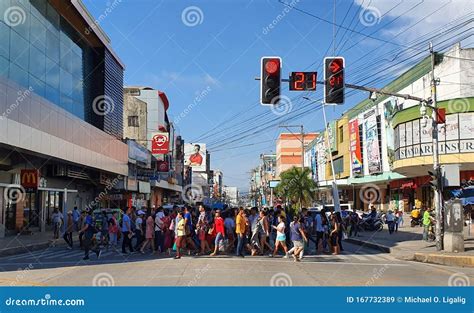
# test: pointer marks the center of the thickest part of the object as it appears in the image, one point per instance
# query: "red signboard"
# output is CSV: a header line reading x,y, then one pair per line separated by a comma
x,y
160,143
354,139
29,179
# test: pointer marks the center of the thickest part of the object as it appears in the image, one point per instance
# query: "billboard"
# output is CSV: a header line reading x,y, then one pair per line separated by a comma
x,y
195,156
160,143
354,141
332,135
29,179
372,140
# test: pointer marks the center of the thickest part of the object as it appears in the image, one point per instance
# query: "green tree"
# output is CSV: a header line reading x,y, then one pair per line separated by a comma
x,y
296,186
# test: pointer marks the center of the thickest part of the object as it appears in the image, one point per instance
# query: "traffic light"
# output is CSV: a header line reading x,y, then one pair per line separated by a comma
x,y
334,80
270,80
436,181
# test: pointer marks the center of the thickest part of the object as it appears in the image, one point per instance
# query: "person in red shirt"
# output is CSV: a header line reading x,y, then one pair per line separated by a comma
x,y
219,229
195,159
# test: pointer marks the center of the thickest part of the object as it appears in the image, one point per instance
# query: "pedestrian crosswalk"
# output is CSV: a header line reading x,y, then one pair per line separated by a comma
x,y
60,254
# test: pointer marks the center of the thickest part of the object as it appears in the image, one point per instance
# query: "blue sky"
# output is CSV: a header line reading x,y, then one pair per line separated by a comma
x,y
205,55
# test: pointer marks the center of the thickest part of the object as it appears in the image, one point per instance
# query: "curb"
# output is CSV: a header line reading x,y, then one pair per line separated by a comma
x,y
368,244
450,260
33,247
24,249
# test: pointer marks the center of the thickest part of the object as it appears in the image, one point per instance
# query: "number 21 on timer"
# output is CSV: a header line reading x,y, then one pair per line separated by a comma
x,y
303,81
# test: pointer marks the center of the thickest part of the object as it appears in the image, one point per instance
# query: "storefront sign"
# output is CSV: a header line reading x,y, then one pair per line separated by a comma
x,y
138,153
30,179
160,143
356,155
332,135
456,136
372,142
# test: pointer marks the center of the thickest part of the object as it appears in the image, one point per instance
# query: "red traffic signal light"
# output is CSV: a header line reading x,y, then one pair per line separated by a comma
x,y
270,80
334,80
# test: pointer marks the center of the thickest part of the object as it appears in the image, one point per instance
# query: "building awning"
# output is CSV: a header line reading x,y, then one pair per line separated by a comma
x,y
328,183
381,178
165,185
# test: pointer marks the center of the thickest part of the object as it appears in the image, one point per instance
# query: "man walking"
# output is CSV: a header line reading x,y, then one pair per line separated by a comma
x,y
427,221
240,229
126,233
88,230
159,239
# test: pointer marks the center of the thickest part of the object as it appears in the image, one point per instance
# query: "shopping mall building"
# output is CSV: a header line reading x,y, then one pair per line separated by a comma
x,y
61,117
382,149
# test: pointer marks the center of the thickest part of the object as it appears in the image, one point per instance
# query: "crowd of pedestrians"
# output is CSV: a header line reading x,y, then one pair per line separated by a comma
x,y
199,231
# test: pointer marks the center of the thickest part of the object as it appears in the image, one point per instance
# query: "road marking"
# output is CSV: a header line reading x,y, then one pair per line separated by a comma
x,y
359,257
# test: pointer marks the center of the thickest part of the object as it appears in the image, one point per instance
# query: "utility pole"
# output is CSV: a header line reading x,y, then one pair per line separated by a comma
x,y
302,147
436,167
302,139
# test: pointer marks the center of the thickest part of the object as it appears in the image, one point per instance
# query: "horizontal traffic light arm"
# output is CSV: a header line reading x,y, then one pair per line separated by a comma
x,y
376,90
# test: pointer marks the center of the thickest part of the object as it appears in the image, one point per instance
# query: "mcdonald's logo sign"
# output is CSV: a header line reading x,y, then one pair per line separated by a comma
x,y
30,179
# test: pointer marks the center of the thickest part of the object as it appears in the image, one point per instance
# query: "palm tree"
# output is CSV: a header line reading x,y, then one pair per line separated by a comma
x,y
296,186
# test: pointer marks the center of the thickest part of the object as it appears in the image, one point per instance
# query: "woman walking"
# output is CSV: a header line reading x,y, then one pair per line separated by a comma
x,y
297,235
69,229
264,231
149,233
281,237
113,232
219,229
334,234
180,234
203,227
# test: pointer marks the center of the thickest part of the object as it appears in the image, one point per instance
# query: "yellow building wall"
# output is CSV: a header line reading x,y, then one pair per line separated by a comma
x,y
342,150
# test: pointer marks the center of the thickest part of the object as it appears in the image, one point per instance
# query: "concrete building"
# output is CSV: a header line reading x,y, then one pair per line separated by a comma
x,y
390,144
231,195
135,117
166,173
289,151
61,115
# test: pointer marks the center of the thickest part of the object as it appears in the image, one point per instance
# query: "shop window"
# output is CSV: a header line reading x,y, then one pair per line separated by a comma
x,y
133,121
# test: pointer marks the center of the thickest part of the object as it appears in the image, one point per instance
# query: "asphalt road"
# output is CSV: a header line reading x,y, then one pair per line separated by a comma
x,y
356,266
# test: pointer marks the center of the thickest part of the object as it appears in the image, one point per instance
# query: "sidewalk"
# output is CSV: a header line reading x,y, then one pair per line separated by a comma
x,y
407,244
26,243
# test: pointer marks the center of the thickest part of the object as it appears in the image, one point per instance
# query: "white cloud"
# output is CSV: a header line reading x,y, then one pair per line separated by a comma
x,y
166,79
452,9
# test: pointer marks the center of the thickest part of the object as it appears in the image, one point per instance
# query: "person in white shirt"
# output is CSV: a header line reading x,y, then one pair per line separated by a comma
x,y
159,238
390,220
318,222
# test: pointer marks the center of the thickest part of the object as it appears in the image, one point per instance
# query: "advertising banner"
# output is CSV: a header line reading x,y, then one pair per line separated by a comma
x,y
195,156
332,136
372,141
356,155
160,143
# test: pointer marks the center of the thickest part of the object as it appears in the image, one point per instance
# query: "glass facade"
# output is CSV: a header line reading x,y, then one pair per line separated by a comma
x,y
41,51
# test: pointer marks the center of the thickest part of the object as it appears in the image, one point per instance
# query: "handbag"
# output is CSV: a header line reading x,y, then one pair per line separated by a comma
x,y
210,231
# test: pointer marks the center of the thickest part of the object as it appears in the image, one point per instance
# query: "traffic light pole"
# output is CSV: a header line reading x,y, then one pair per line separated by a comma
x,y
436,167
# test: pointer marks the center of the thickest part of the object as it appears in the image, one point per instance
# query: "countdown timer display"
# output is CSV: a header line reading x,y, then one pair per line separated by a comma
x,y
303,81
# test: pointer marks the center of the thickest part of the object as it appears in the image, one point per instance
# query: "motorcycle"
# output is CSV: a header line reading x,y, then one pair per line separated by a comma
x,y
416,221
369,224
